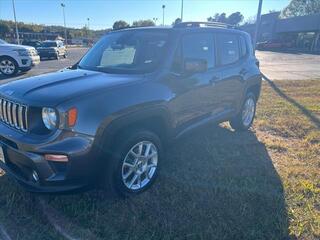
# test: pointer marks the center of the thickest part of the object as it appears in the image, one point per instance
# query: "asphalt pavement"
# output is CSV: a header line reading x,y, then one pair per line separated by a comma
x,y
50,65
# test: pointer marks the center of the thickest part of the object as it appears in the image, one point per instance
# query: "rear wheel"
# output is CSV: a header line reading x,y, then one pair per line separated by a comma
x,y
134,165
8,66
243,121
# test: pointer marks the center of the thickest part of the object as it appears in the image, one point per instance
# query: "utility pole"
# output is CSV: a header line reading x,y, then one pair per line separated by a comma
x,y
181,10
255,39
64,22
88,19
163,7
15,20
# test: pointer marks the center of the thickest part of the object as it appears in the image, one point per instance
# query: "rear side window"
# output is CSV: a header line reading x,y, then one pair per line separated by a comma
x,y
228,48
243,46
199,46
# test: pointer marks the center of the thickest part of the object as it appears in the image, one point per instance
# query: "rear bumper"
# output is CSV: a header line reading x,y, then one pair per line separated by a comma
x,y
47,54
53,177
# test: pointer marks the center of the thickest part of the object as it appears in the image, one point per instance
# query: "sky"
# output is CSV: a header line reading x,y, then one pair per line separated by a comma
x,y
103,13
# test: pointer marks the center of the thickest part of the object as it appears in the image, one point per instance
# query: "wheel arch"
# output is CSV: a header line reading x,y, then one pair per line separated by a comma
x,y
157,120
7,56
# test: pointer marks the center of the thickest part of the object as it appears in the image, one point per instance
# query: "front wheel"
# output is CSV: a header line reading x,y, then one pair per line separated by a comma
x,y
243,121
134,165
8,66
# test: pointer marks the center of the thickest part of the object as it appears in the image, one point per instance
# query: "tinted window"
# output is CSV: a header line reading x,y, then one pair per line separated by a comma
x,y
199,46
228,48
49,44
243,46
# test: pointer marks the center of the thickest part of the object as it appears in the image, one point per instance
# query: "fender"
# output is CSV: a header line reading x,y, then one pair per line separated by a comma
x,y
116,122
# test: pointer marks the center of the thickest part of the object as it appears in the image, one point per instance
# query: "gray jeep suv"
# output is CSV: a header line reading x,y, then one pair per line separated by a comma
x,y
108,118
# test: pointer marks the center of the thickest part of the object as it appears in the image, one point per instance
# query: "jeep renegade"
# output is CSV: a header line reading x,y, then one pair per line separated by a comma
x,y
107,118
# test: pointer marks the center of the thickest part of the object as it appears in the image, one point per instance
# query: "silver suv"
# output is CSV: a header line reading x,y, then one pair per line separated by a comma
x,y
15,58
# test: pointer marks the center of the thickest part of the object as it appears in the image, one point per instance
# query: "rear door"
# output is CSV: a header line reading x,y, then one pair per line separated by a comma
x,y
231,63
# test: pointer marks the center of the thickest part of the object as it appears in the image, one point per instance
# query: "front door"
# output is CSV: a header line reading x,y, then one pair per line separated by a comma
x,y
195,93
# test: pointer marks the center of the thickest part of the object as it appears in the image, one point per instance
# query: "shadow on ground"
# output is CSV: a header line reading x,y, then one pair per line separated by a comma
x,y
215,184
301,108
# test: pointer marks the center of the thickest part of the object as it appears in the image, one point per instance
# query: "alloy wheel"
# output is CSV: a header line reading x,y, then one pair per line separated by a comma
x,y
248,111
140,165
7,67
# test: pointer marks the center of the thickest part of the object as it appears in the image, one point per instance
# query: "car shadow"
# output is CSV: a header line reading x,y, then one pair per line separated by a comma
x,y
303,110
215,184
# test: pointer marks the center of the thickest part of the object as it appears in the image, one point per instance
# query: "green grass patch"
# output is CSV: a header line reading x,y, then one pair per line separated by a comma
x,y
215,183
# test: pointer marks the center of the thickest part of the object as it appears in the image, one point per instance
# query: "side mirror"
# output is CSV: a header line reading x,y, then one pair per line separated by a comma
x,y
195,65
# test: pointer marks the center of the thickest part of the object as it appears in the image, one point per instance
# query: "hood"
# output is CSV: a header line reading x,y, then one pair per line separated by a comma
x,y
54,88
15,46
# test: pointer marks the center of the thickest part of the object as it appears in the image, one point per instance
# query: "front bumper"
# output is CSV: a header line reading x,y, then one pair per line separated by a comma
x,y
28,61
77,173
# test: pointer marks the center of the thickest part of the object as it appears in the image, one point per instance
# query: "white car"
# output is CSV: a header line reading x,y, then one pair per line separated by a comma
x,y
15,58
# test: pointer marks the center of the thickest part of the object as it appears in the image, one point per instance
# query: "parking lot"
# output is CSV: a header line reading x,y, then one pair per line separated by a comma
x,y
51,65
289,66
274,65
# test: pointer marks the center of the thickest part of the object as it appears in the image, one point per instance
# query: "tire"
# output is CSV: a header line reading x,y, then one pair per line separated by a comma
x,y
243,121
117,178
8,66
57,56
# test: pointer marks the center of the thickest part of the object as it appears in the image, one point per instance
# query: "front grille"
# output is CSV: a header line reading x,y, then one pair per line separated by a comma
x,y
14,114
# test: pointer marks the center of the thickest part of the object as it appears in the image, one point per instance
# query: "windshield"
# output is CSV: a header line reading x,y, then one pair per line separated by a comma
x,y
2,42
49,44
127,52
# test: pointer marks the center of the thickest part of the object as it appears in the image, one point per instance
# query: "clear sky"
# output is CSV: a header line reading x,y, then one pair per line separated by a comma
x,y
103,13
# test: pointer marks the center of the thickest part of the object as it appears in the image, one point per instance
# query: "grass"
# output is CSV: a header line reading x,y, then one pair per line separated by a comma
x,y
215,184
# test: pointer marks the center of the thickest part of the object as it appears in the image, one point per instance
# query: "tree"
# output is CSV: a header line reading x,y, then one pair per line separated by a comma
x,y
120,25
234,18
143,23
177,21
301,8
4,29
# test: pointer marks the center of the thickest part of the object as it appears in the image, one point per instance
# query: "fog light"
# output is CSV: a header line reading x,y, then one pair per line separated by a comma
x,y
56,158
35,176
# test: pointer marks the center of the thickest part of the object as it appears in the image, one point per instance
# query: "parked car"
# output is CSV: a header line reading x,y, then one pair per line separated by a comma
x,y
52,49
109,118
15,58
273,45
32,43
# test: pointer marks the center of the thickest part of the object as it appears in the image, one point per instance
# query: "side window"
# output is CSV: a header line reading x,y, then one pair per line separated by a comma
x,y
199,46
243,46
228,48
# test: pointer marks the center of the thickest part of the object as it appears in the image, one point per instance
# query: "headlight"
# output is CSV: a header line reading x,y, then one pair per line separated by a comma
x,y
22,52
49,118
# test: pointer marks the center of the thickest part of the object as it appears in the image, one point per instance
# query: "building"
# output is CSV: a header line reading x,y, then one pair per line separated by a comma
x,y
302,32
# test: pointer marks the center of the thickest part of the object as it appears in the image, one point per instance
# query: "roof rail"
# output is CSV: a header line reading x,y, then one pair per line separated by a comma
x,y
204,24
